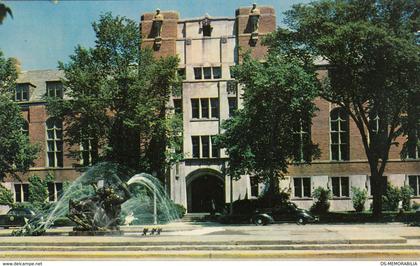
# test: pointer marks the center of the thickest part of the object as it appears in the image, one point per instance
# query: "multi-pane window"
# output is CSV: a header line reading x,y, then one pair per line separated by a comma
x,y
302,187
414,182
21,192
25,128
55,190
181,73
22,92
204,147
339,134
55,89
340,186
86,152
207,73
302,141
54,142
178,106
233,105
205,108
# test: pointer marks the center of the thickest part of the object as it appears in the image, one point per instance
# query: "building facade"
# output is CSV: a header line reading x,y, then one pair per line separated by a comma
x,y
207,47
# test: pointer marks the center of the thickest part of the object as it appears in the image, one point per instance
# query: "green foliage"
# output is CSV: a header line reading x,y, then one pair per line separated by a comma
x,y
406,192
278,94
6,196
16,153
38,191
359,197
4,10
180,210
118,98
373,60
322,197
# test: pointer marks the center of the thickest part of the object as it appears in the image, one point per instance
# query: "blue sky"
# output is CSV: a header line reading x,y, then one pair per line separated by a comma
x,y
43,33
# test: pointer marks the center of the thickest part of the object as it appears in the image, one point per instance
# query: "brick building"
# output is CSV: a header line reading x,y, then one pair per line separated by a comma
x,y
207,47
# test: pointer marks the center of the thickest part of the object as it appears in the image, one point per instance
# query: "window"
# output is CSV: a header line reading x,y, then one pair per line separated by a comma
x,y
54,142
198,73
207,72
302,187
86,152
383,183
22,92
55,190
25,128
339,134
195,105
214,102
204,147
340,186
233,105
302,141
178,106
414,182
254,186
55,89
217,72
21,192
205,108
413,148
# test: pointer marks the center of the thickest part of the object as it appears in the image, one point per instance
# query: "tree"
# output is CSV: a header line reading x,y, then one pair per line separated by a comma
x,y
373,68
4,10
16,152
117,98
6,196
261,138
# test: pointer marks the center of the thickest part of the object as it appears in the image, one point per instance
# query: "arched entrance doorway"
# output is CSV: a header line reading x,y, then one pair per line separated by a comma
x,y
203,186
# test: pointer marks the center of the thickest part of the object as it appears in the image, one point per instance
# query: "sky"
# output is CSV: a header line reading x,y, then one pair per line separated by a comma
x,y
41,33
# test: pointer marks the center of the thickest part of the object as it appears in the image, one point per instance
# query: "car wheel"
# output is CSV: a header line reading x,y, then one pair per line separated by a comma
x,y
301,221
260,221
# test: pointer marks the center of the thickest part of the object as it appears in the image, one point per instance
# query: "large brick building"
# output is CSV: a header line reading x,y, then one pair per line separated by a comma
x,y
207,47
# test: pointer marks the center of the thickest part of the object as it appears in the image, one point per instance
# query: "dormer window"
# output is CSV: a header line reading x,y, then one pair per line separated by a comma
x,y
22,92
55,89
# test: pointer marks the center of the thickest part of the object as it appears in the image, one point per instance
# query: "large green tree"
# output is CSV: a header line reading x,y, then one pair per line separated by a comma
x,y
374,66
117,97
16,152
262,138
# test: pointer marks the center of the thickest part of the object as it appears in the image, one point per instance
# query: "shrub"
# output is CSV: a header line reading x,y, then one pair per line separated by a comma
x,y
272,200
359,198
391,198
180,210
406,193
322,197
6,196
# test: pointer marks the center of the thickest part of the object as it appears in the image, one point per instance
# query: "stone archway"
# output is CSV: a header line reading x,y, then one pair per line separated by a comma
x,y
203,186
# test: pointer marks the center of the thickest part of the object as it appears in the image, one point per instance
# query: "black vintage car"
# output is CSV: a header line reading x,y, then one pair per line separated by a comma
x,y
288,212
16,217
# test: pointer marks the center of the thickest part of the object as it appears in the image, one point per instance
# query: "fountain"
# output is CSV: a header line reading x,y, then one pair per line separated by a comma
x,y
102,197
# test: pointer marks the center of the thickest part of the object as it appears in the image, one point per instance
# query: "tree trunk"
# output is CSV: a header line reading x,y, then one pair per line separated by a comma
x,y
376,189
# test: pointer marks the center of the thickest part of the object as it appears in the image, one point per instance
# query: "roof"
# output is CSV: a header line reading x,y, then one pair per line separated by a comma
x,y
39,79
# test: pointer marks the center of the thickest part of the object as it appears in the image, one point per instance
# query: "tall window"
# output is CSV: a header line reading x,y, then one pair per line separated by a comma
x,y
55,190
205,108
413,151
21,192
254,186
25,128
54,142
55,89
233,105
204,147
22,92
178,106
302,141
340,186
302,187
86,152
414,182
339,134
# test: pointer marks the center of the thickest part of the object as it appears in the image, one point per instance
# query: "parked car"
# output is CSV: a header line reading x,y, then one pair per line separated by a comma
x,y
288,213
15,217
